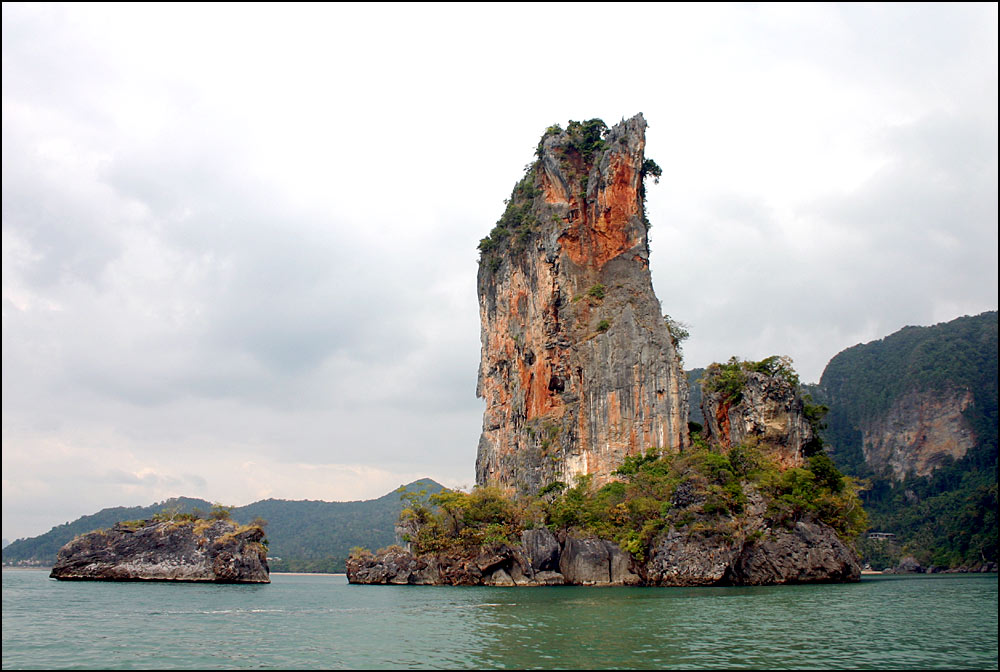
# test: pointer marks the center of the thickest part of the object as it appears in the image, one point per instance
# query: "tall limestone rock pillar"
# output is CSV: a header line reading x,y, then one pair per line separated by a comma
x,y
578,368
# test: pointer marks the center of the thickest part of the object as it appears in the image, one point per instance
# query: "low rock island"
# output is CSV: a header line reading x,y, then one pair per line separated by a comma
x,y
217,551
809,552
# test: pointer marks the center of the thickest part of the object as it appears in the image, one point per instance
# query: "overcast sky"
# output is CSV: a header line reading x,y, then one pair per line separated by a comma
x,y
239,241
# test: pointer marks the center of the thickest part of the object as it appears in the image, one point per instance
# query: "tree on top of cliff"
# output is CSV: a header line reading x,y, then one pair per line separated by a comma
x,y
730,378
587,137
578,145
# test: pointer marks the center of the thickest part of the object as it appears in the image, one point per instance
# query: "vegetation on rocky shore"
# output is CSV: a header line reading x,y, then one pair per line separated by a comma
x,y
698,491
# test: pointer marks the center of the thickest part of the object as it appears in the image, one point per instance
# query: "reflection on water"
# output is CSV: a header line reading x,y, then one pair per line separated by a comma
x,y
321,622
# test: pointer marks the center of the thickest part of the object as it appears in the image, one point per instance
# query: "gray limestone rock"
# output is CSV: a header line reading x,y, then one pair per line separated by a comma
x,y
680,558
217,551
808,553
769,410
549,579
621,566
542,549
908,565
585,561
499,578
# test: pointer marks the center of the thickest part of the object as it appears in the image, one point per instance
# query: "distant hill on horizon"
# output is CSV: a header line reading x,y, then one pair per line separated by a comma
x,y
303,535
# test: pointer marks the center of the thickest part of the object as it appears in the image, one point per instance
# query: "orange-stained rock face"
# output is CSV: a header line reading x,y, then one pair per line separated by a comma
x,y
603,232
578,370
919,432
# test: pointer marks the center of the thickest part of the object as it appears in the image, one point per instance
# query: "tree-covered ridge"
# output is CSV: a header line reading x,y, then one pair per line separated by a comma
x,y
865,380
948,518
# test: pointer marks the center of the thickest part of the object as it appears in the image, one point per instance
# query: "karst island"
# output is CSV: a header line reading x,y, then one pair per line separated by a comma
x,y
588,470
171,546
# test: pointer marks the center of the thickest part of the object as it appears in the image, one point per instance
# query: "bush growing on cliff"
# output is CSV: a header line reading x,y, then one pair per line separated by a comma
x,y
455,520
678,331
518,224
586,137
731,378
650,167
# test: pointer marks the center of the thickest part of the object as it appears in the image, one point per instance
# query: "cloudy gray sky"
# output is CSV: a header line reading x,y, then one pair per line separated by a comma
x,y
239,242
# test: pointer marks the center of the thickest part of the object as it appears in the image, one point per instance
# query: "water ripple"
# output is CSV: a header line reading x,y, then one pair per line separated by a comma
x,y
304,622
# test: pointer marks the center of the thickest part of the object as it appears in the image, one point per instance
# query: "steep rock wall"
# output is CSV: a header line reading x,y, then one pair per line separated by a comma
x,y
578,369
919,432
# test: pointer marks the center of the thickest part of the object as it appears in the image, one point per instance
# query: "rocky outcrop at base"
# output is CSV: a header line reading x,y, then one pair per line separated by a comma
x,y
216,551
769,410
809,552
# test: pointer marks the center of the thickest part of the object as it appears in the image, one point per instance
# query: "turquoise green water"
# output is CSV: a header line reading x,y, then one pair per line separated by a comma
x,y
938,621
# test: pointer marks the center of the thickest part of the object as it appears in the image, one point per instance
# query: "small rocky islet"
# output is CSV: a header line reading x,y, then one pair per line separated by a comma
x,y
218,551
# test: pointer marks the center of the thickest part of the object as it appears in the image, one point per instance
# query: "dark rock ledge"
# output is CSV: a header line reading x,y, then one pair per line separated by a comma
x,y
206,550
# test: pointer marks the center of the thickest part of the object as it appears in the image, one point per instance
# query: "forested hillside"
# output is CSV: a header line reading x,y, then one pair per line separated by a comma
x,y
303,536
316,536
949,516
41,550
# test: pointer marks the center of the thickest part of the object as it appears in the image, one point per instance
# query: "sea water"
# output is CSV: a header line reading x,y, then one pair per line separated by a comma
x,y
320,621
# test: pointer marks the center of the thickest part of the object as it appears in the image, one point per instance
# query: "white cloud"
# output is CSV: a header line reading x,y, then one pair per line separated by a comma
x,y
239,248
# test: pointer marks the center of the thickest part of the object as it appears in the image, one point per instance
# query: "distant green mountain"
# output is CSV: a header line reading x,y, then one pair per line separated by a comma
x,y
41,550
892,398
316,536
303,535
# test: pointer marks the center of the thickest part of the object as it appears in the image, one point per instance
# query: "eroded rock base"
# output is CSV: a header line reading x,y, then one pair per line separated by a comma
x,y
809,552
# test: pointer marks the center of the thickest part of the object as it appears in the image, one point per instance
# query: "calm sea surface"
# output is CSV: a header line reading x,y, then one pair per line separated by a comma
x,y
939,621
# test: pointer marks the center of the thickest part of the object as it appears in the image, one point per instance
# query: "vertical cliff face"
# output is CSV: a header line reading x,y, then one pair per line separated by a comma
x,y
578,368
907,404
918,433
